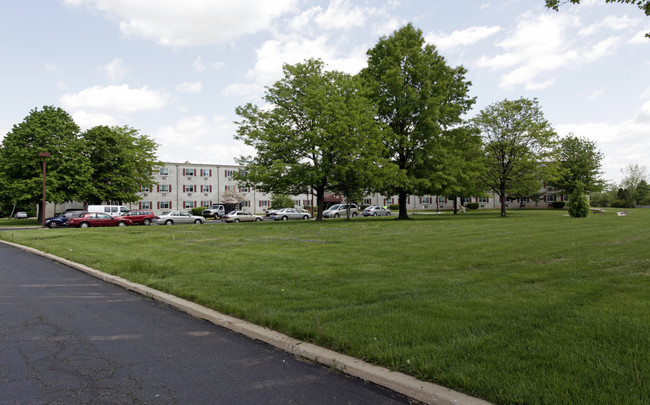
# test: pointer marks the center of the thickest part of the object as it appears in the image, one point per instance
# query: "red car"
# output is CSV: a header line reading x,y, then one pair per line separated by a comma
x,y
143,217
98,219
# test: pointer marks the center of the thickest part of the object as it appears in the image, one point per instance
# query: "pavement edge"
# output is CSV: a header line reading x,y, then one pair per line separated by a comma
x,y
404,384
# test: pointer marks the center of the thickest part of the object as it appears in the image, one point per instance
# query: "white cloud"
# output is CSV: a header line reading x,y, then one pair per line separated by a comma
x,y
115,99
190,87
340,14
115,70
461,38
610,23
87,120
200,66
190,22
540,45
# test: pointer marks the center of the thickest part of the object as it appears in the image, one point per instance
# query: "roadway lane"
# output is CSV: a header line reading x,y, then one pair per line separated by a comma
x,y
66,337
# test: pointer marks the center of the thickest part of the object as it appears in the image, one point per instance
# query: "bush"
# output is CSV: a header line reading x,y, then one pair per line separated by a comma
x,y
198,210
558,204
472,206
578,206
393,207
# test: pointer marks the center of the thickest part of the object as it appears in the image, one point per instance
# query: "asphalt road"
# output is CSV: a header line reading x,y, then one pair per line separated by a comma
x,y
68,338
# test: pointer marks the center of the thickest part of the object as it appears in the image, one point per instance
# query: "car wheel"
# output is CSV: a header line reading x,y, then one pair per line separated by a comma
x,y
52,225
258,219
388,214
306,217
374,214
236,220
146,221
121,223
354,214
284,218
84,225
336,215
198,222
169,222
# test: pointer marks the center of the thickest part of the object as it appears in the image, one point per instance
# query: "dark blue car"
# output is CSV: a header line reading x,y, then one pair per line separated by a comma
x,y
61,219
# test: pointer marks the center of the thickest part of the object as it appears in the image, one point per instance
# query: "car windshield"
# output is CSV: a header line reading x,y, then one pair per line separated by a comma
x,y
335,207
232,213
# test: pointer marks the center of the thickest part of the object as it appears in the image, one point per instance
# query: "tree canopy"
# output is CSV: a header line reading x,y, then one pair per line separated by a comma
x,y
122,161
317,130
51,130
517,143
578,161
419,98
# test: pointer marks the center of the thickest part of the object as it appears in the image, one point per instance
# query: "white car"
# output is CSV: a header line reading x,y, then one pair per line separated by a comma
x,y
375,210
178,217
20,215
240,216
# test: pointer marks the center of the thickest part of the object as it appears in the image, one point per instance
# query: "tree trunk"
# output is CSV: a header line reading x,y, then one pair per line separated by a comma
x,y
403,213
455,206
320,202
502,194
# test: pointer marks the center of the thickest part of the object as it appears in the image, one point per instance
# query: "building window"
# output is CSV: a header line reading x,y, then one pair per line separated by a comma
x,y
426,200
206,188
264,203
243,189
550,198
206,203
145,189
229,173
189,188
367,201
296,203
164,205
442,200
164,171
206,172
165,188
305,203
465,199
482,199
245,203
189,204
145,205
189,172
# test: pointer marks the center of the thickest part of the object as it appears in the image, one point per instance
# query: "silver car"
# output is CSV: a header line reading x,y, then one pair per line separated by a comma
x,y
375,210
240,216
177,217
284,214
341,210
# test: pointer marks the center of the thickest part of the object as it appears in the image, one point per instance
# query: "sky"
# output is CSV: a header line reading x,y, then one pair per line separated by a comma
x,y
177,70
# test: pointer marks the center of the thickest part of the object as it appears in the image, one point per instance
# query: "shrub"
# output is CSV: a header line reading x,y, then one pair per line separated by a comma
x,y
198,210
393,207
558,204
578,206
472,206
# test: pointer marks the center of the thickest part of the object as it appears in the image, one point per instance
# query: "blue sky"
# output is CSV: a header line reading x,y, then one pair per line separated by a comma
x,y
177,70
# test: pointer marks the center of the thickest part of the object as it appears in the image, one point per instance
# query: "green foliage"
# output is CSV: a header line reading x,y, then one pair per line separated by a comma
x,y
558,204
578,204
420,99
579,161
393,207
281,201
69,170
517,139
473,205
198,210
320,132
122,161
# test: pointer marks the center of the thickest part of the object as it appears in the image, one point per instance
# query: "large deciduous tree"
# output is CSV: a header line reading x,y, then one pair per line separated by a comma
x,y
122,160
517,142
578,161
317,124
51,130
420,98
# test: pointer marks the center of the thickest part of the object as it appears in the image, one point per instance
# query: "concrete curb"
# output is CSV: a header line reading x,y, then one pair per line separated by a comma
x,y
420,390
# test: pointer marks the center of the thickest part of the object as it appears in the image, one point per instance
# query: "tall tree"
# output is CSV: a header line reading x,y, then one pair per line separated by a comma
x,y
304,139
49,130
420,99
578,161
517,143
122,161
635,182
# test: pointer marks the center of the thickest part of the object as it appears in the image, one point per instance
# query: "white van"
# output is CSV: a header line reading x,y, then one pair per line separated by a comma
x,y
112,210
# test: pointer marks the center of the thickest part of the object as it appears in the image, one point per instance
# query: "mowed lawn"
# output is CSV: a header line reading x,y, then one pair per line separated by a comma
x,y
535,308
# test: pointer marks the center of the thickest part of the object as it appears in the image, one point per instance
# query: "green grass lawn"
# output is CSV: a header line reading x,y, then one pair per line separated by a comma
x,y
530,309
6,222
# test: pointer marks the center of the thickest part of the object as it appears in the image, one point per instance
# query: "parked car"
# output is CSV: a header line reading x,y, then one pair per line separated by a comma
x,y
112,210
340,210
240,216
219,210
178,217
143,217
375,210
285,214
20,215
62,219
89,219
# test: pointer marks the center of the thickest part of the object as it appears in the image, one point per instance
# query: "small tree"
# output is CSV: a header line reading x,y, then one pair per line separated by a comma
x,y
281,201
578,205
